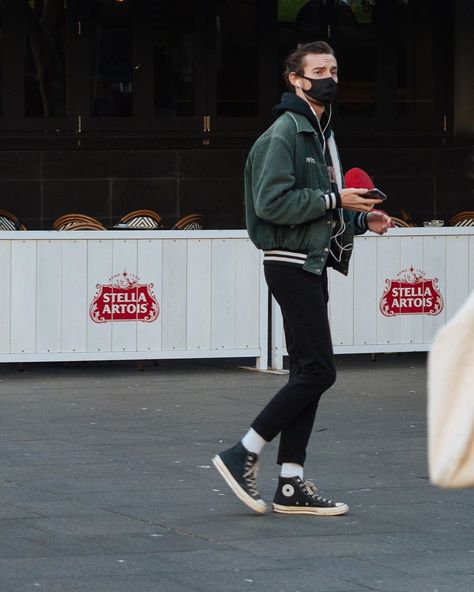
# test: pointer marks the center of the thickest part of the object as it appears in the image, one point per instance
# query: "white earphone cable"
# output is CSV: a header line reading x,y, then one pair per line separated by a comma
x,y
342,224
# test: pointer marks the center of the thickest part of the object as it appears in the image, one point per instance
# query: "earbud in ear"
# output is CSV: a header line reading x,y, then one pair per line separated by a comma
x,y
298,84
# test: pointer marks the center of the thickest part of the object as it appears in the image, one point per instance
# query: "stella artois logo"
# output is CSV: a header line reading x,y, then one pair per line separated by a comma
x,y
124,299
411,293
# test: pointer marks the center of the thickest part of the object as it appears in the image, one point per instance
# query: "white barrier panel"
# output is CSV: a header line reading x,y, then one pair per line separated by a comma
x,y
131,295
400,290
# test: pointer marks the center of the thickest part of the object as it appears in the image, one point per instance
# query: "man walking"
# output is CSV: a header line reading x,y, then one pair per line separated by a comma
x,y
303,219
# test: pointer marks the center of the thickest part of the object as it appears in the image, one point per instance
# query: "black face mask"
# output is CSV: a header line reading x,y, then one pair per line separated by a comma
x,y
323,90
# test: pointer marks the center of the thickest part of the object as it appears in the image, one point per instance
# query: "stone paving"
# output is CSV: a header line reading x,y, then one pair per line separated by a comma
x,y
106,484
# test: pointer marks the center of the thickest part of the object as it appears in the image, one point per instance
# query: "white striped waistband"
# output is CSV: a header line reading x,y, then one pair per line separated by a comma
x,y
285,256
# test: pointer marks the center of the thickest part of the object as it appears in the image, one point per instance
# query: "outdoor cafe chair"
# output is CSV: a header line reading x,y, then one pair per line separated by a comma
x,y
9,221
462,219
190,222
68,221
85,226
399,223
143,220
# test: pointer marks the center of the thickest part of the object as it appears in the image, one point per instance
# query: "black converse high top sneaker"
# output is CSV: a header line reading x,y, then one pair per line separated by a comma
x,y
239,469
295,496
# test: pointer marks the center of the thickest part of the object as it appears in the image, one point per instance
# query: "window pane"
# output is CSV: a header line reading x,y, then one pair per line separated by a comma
x,y
300,21
111,58
357,57
311,20
1,58
174,54
414,29
45,64
237,58
349,27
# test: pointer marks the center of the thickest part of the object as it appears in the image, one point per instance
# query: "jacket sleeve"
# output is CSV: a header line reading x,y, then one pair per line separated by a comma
x,y
360,222
273,179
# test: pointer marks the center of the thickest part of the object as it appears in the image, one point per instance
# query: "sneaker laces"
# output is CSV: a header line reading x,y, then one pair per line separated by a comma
x,y
311,489
311,486
250,476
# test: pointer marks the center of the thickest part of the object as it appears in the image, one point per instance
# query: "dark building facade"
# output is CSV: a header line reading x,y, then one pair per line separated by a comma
x,y
107,106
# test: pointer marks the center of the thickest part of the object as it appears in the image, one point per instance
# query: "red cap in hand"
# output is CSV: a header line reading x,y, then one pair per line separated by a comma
x,y
358,179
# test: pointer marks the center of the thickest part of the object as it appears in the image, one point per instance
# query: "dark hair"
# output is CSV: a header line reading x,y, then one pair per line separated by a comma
x,y
295,61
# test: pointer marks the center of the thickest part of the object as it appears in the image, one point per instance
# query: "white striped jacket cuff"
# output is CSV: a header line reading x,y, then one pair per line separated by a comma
x,y
361,221
331,201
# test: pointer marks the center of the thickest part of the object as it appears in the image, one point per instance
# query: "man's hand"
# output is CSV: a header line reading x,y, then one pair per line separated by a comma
x,y
379,222
352,199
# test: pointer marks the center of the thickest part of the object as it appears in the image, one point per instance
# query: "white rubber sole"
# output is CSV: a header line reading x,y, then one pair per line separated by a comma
x,y
311,511
258,506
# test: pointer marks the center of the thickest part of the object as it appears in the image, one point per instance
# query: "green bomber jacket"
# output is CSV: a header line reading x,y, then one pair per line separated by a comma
x,y
288,199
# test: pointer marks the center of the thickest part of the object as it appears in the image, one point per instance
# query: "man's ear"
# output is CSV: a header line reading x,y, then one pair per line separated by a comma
x,y
294,79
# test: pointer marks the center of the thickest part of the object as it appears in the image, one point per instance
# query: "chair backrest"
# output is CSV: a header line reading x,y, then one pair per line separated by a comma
x,y
465,222
143,219
190,222
399,223
64,222
9,221
462,219
84,226
406,217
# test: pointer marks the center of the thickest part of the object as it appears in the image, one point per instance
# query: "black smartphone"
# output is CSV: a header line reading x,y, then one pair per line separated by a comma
x,y
374,194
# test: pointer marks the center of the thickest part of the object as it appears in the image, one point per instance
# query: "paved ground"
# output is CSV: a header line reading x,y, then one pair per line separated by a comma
x,y
106,484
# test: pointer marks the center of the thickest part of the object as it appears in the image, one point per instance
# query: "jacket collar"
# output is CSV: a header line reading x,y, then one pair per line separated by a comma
x,y
302,123
305,118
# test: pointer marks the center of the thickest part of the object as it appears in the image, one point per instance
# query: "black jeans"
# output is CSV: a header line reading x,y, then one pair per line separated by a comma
x,y
303,298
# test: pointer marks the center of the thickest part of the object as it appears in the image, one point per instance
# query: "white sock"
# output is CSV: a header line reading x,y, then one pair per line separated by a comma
x,y
291,470
253,442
